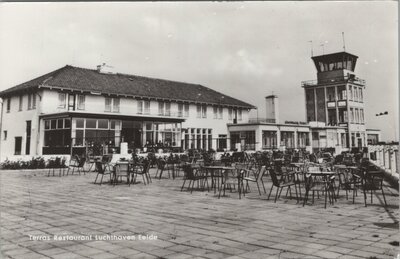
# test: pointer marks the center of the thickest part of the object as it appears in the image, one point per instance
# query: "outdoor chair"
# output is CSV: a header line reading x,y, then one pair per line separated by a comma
x,y
161,167
121,171
57,163
231,178
370,181
320,183
101,170
255,176
77,163
348,180
193,174
142,170
286,180
91,161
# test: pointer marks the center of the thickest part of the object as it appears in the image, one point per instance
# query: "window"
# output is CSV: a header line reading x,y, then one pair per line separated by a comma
x,y
146,107
361,116
239,114
140,107
5,134
204,111
115,104
220,112
61,100
180,109
143,107
107,103
361,95
351,92
8,105
160,108
81,102
34,101
351,115
20,102
31,101
186,110
230,112
198,108
111,104
215,112
167,109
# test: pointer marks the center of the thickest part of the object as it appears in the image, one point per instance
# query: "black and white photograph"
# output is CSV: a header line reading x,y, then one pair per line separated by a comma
x,y
240,130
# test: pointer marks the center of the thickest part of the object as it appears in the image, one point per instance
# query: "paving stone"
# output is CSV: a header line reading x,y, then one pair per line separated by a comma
x,y
187,225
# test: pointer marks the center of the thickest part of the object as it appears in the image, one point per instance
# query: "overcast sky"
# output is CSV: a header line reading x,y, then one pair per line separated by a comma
x,y
244,49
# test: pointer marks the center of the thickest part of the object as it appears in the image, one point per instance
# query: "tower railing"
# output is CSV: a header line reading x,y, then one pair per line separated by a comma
x,y
334,80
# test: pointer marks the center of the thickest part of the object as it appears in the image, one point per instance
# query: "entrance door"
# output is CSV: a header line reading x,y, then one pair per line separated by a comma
x,y
131,132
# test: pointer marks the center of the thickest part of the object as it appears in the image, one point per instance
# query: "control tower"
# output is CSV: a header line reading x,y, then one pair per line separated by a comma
x,y
336,99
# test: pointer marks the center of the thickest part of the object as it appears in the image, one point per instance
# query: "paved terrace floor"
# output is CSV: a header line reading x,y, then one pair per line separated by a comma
x,y
197,225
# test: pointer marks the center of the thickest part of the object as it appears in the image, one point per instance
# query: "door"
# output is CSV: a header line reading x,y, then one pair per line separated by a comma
x,y
28,137
18,145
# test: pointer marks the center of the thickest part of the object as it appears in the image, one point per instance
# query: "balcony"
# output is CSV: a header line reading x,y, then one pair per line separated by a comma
x,y
335,80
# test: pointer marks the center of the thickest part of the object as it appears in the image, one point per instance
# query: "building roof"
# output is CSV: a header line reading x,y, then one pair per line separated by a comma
x,y
91,81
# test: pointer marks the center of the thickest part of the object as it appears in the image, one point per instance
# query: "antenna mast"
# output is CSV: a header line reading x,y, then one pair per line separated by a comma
x,y
344,44
312,51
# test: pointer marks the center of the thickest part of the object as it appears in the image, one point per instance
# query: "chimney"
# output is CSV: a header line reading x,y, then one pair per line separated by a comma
x,y
105,69
272,108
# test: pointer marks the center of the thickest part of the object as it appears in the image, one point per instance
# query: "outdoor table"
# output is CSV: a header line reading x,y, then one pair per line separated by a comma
x,y
215,173
121,162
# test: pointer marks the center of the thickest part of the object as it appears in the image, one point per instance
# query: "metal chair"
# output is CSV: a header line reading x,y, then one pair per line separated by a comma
x,y
286,180
371,181
255,176
101,170
77,163
121,170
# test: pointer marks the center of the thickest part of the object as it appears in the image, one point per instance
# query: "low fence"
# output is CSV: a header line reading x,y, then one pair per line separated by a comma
x,y
386,157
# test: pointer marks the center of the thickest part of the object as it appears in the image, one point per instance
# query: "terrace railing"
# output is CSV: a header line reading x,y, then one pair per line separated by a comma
x,y
386,157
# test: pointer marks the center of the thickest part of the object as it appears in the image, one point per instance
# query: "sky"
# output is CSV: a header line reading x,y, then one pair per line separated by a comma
x,y
247,50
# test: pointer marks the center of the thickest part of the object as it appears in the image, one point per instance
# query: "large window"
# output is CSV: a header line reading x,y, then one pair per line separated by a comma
x,y
342,93
81,102
230,112
215,112
287,139
269,139
220,112
111,104
164,108
331,94
57,132
143,107
302,139
96,132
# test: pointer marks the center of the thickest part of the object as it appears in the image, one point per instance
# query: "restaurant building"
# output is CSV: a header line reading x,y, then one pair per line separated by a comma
x,y
72,109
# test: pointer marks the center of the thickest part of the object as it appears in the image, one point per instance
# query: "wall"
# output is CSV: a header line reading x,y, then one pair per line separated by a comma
x,y
14,122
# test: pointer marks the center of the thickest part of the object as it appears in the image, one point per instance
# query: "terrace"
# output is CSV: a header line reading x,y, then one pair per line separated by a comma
x,y
187,225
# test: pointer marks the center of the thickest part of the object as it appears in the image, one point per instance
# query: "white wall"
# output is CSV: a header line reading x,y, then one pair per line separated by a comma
x,y
14,122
